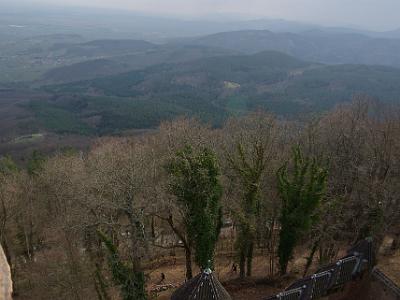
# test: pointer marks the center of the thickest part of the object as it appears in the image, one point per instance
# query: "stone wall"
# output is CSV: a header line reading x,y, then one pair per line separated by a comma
x,y
5,277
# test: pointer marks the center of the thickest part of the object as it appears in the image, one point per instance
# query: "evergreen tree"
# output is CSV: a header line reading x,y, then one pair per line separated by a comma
x,y
195,183
301,192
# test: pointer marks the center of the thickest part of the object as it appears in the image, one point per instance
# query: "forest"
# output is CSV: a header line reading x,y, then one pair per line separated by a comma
x,y
273,197
211,89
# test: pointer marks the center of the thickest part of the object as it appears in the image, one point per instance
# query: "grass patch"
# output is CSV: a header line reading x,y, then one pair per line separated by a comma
x,y
29,138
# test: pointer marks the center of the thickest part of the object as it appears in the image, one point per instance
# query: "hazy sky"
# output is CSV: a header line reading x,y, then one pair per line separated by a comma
x,y
371,14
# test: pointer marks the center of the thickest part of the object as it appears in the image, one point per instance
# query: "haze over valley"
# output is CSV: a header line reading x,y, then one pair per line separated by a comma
x,y
199,149
89,72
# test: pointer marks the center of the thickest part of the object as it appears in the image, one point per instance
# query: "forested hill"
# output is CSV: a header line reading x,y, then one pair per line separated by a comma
x,y
104,61
312,45
212,89
267,66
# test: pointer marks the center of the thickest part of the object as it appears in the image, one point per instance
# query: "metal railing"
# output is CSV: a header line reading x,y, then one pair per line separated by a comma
x,y
380,276
358,259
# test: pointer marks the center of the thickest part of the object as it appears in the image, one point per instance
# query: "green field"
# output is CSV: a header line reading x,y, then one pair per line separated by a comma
x,y
29,138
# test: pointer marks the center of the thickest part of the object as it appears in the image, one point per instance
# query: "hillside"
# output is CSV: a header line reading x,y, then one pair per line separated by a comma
x,y
107,48
120,63
29,59
211,88
85,70
312,45
59,58
211,150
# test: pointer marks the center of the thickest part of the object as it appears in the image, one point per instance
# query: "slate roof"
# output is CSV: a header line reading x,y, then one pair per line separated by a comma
x,y
205,286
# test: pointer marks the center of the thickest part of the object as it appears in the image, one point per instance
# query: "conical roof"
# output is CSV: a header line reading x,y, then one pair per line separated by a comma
x,y
205,286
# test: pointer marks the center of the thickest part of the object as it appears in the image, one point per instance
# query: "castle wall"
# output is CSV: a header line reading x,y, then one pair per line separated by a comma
x,y
5,277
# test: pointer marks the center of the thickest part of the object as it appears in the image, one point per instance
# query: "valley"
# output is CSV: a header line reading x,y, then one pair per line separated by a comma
x,y
199,150
122,85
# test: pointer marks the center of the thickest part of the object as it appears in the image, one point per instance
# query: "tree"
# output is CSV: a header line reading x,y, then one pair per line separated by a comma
x,y
8,206
117,191
195,183
7,165
249,171
248,144
361,140
60,186
35,163
300,193
132,282
19,217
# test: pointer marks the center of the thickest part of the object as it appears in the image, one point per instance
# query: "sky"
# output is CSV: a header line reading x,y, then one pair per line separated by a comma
x,y
367,14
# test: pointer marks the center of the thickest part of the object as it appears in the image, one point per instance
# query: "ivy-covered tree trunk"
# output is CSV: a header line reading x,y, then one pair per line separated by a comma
x,y
301,192
310,257
287,242
188,263
130,280
100,285
242,263
248,171
195,184
249,258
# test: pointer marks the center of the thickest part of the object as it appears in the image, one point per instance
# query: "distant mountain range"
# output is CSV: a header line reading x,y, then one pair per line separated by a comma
x,y
101,58
39,19
312,45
